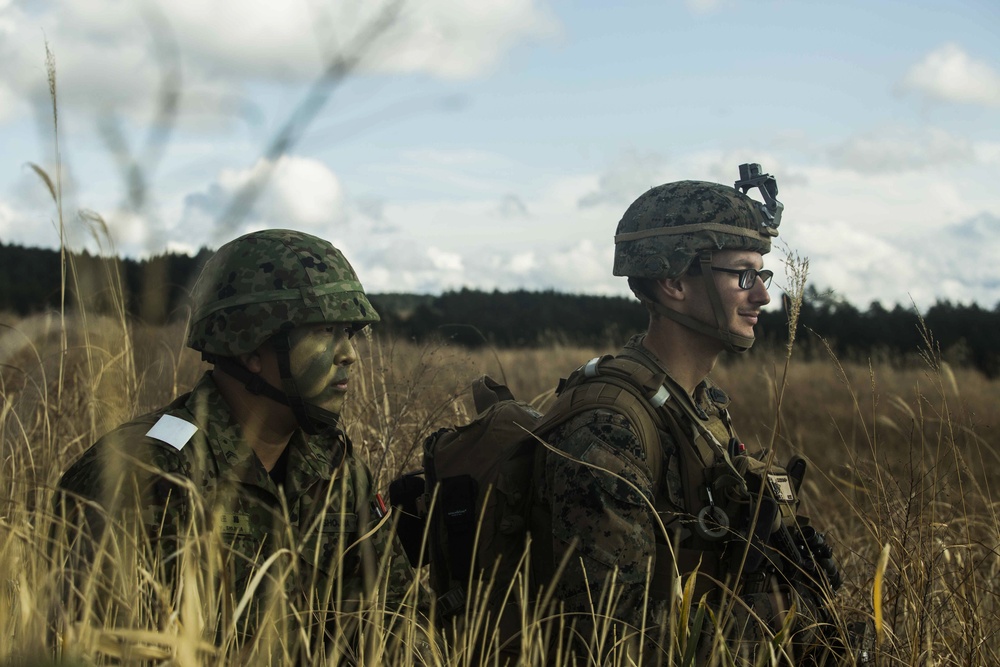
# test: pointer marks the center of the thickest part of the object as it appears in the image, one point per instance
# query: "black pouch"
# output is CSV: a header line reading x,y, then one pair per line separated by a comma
x,y
406,495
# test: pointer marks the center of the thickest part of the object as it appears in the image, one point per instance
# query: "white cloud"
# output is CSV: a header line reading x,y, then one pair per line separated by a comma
x,y
404,265
449,262
456,38
128,230
855,260
949,74
988,153
10,104
630,175
582,267
112,55
523,263
294,192
6,219
512,206
891,235
900,149
955,262
895,236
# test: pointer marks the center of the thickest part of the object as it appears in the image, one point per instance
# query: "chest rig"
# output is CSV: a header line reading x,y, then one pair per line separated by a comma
x,y
719,508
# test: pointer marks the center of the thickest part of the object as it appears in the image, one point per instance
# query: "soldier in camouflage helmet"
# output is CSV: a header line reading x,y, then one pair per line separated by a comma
x,y
251,461
693,254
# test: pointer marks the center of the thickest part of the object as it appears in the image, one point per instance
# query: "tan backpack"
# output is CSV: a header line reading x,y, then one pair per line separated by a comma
x,y
473,496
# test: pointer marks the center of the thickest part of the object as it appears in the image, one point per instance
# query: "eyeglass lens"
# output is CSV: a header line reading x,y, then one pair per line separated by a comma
x,y
749,276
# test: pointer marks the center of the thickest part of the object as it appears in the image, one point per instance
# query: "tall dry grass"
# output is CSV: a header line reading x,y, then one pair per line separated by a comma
x,y
901,467
902,475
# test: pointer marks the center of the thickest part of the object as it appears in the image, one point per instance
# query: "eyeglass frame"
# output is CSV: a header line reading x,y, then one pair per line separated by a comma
x,y
748,277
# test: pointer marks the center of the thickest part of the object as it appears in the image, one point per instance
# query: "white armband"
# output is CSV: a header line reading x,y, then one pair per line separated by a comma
x,y
173,431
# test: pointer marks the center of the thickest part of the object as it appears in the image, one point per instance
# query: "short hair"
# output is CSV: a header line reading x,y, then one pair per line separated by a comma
x,y
644,288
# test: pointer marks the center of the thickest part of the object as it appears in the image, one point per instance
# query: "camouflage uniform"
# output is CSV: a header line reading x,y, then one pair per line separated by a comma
x,y
219,484
597,492
607,523
182,487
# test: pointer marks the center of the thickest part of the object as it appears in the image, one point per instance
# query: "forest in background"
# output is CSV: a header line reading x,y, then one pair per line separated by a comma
x,y
157,287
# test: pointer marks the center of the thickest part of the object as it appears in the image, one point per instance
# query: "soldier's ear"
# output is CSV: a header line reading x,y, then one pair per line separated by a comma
x,y
252,361
672,289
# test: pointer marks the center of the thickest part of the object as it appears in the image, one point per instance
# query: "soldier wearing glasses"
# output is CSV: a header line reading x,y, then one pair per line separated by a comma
x,y
693,253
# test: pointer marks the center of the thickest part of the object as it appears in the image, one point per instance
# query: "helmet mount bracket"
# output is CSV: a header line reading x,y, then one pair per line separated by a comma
x,y
752,176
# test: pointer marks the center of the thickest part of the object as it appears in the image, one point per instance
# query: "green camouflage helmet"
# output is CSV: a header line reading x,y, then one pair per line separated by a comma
x,y
665,229
270,281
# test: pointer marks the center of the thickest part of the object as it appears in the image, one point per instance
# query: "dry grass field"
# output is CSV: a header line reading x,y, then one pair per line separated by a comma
x,y
903,468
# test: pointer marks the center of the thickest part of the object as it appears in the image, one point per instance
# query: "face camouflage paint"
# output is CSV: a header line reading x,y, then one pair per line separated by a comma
x,y
320,357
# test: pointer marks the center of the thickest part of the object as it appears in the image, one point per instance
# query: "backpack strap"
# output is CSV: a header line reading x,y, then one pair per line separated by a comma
x,y
653,403
621,385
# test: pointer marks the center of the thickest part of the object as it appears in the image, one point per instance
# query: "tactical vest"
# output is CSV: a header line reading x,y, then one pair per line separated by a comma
x,y
703,485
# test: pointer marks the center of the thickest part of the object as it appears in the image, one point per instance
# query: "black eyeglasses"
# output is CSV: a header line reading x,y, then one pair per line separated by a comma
x,y
748,277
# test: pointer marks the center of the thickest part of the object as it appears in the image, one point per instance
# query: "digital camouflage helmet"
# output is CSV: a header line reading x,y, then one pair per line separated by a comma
x,y
269,281
260,286
672,226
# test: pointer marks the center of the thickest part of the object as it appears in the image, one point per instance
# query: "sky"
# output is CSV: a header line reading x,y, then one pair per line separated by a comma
x,y
496,144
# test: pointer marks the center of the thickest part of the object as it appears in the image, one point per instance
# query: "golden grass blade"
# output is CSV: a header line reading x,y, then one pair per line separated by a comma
x,y
44,175
883,563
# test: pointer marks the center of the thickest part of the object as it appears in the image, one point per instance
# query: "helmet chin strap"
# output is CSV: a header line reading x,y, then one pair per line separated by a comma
x,y
311,419
721,331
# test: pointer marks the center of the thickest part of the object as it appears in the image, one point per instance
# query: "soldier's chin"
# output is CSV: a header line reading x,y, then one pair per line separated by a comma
x,y
749,333
330,403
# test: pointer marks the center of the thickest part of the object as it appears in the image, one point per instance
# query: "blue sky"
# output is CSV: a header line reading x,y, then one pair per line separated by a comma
x,y
496,144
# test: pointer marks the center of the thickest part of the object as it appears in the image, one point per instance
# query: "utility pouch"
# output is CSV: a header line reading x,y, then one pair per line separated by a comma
x,y
763,512
407,495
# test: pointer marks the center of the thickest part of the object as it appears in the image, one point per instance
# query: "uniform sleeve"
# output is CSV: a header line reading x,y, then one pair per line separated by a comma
x,y
115,513
118,478
598,492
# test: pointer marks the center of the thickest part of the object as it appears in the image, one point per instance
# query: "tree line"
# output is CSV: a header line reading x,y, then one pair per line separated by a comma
x,y
156,291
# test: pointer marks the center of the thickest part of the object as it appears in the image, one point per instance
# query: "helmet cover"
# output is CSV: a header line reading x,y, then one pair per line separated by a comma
x,y
270,281
669,226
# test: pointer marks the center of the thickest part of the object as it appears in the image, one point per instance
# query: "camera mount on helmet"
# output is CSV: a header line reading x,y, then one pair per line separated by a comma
x,y
751,177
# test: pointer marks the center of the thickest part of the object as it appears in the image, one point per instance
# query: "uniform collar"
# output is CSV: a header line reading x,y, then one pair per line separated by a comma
x,y
706,394
309,458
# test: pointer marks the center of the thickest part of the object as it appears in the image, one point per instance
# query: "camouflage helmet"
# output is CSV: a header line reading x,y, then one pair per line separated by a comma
x,y
270,281
669,226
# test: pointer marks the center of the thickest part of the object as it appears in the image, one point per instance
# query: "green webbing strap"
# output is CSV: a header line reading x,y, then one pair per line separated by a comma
x,y
688,229
734,342
637,385
721,453
715,451
304,294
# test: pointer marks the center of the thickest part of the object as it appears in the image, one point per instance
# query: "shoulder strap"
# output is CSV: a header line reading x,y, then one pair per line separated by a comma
x,y
623,386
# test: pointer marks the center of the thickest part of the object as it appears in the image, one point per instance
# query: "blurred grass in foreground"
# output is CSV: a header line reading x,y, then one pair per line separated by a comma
x,y
902,475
